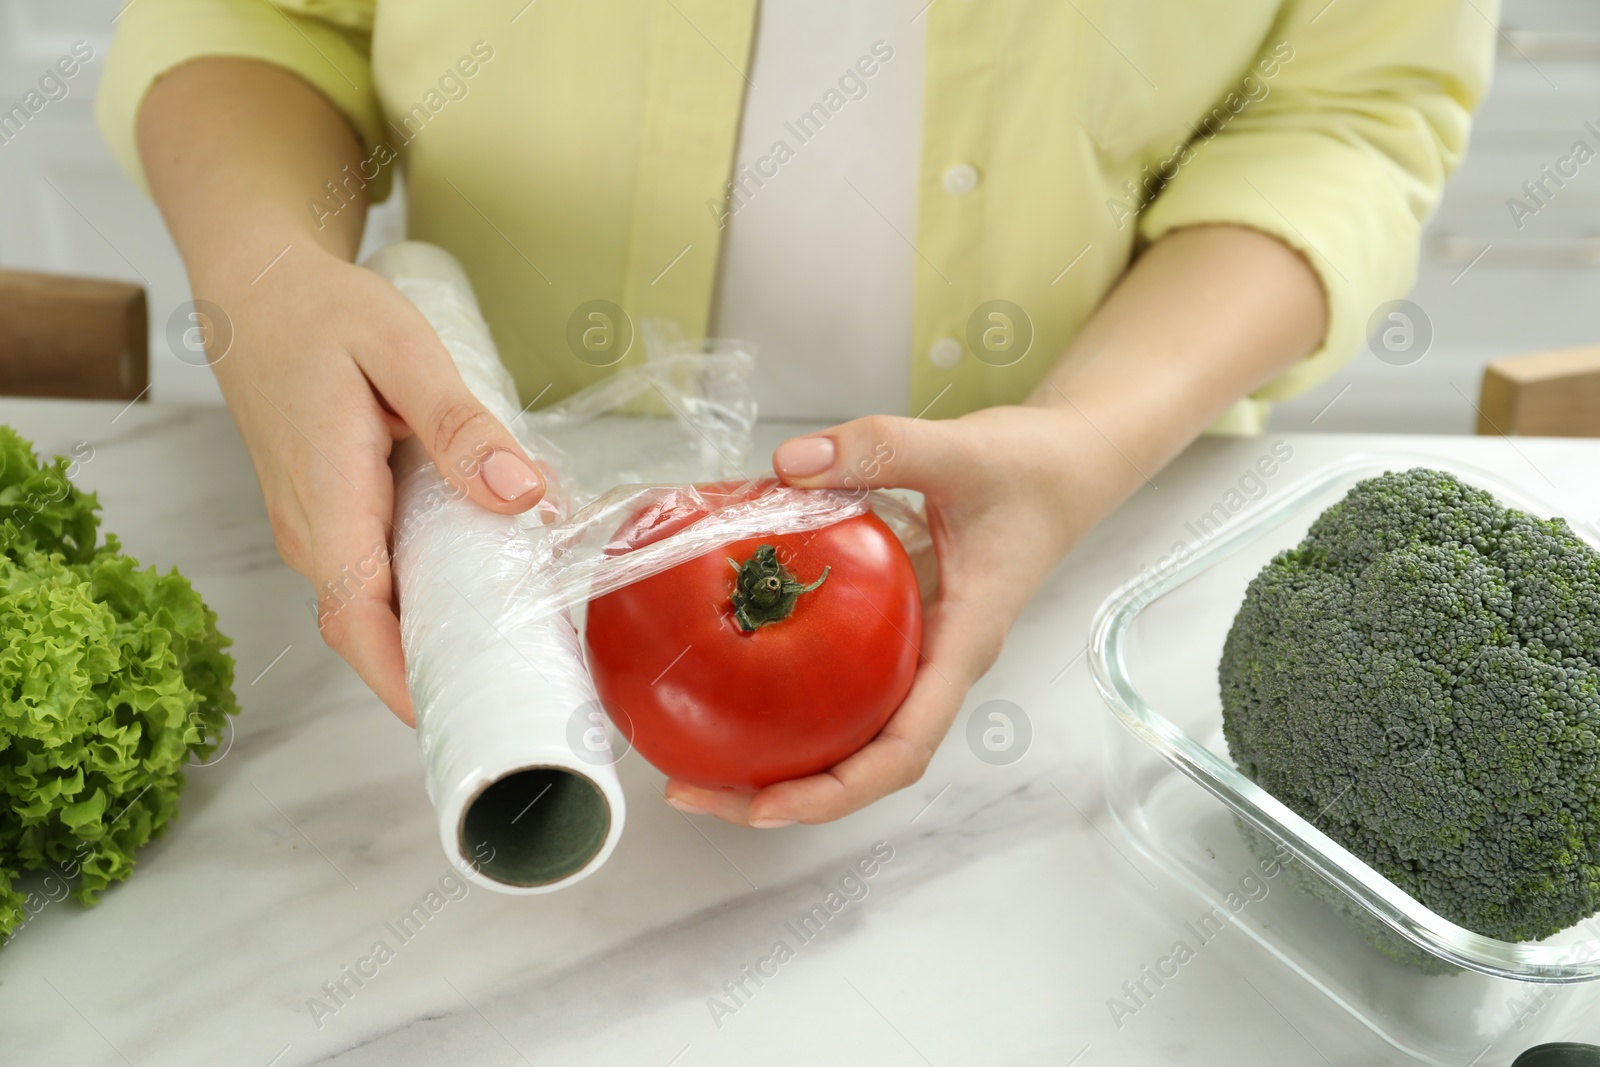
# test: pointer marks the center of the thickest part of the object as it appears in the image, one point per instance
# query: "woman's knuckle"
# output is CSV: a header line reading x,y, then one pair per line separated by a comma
x,y
331,623
911,773
289,553
910,765
984,656
454,420
881,430
289,542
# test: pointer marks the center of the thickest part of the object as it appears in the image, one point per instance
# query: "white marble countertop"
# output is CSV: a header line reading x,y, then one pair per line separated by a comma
x,y
1006,918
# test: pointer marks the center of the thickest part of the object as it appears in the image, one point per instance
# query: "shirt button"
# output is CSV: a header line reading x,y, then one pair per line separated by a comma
x,y
960,179
946,352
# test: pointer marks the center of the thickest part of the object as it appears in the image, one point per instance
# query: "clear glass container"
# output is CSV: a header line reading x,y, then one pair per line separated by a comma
x,y
1179,798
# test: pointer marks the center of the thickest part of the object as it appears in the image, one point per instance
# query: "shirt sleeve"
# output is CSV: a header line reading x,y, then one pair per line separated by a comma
x,y
326,42
1338,142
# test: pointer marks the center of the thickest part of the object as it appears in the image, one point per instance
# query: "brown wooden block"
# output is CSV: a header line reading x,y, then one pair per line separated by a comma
x,y
72,337
1546,394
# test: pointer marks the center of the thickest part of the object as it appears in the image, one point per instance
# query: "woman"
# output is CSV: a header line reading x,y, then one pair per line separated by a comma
x,y
1028,250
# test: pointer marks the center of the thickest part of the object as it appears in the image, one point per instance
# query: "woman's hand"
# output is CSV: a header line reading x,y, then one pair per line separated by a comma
x,y
1005,501
1204,317
329,367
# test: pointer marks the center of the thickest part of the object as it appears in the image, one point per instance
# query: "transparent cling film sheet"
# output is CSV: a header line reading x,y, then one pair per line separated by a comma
x,y
506,713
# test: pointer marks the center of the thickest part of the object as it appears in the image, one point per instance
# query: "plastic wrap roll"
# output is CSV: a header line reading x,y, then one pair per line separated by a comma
x,y
501,697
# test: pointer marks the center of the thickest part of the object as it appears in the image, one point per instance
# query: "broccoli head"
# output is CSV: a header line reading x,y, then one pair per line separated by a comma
x,y
1420,678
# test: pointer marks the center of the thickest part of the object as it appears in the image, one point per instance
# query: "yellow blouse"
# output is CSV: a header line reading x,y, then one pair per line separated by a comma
x,y
573,151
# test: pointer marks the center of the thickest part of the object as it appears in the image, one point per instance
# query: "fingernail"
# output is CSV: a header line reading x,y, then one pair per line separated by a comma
x,y
804,456
508,476
770,824
687,809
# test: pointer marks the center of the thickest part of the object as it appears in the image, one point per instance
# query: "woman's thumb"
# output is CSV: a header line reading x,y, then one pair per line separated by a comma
x,y
471,447
877,452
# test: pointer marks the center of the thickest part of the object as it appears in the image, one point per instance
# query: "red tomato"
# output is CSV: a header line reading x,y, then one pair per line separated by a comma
x,y
775,667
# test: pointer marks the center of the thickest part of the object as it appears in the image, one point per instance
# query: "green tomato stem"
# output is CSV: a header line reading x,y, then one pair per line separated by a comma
x,y
765,592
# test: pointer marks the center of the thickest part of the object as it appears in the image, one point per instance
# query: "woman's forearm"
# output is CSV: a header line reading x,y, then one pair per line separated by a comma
x,y
233,149
1206,316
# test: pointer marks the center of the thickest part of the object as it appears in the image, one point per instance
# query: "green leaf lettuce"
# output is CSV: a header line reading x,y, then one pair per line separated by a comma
x,y
111,676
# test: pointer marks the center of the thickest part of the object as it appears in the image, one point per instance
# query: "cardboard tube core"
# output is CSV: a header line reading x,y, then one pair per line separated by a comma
x,y
541,824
